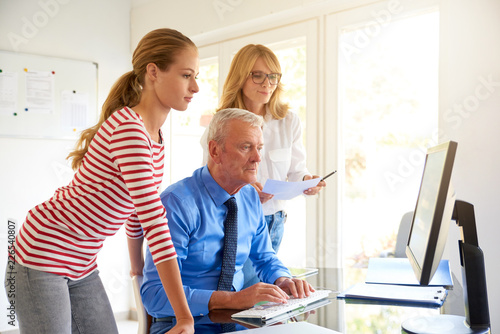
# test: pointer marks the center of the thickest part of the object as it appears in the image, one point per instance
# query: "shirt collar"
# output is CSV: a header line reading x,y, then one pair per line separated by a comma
x,y
268,116
216,192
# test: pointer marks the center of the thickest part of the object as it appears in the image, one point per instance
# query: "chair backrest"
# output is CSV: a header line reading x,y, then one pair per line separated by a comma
x,y
403,233
142,315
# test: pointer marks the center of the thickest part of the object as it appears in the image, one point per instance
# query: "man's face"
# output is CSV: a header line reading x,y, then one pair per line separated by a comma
x,y
240,155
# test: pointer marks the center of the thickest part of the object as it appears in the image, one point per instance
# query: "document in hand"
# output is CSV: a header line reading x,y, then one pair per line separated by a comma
x,y
430,296
287,190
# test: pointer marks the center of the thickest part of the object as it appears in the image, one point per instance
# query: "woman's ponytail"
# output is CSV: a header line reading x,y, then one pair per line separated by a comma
x,y
160,47
125,92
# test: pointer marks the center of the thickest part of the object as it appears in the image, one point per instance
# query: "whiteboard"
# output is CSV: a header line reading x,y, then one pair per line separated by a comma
x,y
46,97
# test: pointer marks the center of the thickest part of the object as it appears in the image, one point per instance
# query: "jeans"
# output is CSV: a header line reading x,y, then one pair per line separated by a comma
x,y
276,227
49,303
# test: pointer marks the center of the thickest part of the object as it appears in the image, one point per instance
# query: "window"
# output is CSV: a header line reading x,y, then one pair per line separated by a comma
x,y
292,57
387,100
183,129
389,105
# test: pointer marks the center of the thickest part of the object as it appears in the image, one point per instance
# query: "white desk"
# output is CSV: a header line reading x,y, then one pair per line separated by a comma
x,y
340,316
292,328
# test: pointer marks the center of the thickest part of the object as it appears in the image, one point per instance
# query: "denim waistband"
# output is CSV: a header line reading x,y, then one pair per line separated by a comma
x,y
281,213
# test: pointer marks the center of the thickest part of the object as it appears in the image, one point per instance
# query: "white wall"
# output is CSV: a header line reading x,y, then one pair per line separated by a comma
x,y
469,114
470,57
209,15
30,170
212,18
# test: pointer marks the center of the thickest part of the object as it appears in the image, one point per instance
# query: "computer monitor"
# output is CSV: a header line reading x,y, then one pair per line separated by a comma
x,y
436,207
433,212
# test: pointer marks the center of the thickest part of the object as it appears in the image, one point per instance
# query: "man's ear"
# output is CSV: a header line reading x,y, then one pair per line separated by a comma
x,y
214,151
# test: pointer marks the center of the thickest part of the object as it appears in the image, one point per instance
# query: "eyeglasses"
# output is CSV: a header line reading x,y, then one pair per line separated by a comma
x,y
260,77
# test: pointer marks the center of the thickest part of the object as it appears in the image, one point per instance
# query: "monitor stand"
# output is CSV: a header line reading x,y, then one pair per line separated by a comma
x,y
477,317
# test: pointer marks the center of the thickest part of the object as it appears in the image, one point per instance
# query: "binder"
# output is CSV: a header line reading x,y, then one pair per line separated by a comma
x,y
402,295
399,271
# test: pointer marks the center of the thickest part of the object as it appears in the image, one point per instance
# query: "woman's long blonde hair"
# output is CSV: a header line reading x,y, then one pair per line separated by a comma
x,y
160,47
241,66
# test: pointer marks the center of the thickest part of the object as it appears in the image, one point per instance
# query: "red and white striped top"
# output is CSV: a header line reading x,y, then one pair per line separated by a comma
x,y
117,183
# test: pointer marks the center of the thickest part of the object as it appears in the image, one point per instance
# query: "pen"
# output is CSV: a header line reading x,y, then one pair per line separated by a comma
x,y
328,175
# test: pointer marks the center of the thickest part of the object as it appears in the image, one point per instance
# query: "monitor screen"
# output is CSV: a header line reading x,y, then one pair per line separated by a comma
x,y
433,212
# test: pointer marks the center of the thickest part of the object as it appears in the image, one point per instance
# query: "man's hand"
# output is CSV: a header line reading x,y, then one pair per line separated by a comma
x,y
296,287
248,297
264,197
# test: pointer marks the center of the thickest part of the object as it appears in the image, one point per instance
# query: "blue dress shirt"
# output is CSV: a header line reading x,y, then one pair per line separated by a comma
x,y
196,211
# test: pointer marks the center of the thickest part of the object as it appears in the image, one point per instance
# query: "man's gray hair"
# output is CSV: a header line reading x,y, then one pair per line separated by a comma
x,y
218,130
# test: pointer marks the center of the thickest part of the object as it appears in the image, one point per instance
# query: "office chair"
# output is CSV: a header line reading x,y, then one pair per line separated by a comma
x,y
144,319
402,237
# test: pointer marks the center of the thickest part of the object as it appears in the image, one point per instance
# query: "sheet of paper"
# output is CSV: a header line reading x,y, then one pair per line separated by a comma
x,y
40,92
287,190
75,109
8,93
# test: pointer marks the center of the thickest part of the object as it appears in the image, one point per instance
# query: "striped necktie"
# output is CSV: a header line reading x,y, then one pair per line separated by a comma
x,y
230,246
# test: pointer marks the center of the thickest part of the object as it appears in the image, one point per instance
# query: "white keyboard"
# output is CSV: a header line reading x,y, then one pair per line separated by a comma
x,y
270,310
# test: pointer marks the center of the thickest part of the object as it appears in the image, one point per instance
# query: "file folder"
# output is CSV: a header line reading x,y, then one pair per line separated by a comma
x,y
398,271
403,295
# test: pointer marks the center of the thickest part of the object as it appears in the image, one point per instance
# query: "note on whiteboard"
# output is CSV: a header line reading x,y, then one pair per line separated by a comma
x,y
287,190
75,109
39,92
8,93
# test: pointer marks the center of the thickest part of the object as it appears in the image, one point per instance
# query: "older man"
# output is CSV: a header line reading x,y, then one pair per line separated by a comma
x,y
211,252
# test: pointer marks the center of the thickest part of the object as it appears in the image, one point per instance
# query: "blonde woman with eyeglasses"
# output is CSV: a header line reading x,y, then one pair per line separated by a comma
x,y
254,83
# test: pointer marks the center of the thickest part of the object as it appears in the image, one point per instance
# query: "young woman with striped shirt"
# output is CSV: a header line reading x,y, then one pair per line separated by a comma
x,y
119,167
